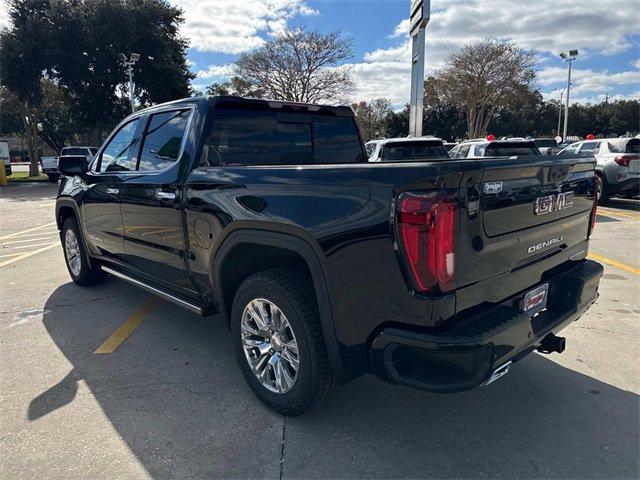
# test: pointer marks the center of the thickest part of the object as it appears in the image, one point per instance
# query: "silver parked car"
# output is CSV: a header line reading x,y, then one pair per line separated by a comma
x,y
618,164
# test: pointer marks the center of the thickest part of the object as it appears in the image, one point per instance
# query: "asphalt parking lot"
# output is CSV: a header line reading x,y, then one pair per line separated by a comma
x,y
169,400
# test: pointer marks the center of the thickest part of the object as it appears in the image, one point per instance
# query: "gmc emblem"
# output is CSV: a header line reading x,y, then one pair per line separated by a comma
x,y
553,203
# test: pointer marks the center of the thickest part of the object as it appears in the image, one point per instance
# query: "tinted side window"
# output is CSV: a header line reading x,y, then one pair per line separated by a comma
x,y
336,140
244,137
122,148
162,140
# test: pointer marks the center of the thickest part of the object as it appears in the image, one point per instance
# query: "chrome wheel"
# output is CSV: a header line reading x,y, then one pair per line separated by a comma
x,y
270,346
72,251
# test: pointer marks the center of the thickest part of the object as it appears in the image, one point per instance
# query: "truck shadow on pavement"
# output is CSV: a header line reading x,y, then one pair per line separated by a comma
x,y
174,394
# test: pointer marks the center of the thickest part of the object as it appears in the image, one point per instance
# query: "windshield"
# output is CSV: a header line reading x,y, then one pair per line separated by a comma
x,y
74,151
545,142
510,149
401,151
631,145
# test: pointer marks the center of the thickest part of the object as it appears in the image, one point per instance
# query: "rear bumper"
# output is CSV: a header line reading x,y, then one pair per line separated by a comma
x,y
465,356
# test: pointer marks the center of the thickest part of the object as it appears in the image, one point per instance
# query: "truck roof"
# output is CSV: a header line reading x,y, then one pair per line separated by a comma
x,y
231,101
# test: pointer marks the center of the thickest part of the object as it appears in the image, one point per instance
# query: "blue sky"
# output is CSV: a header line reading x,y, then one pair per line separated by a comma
x,y
606,34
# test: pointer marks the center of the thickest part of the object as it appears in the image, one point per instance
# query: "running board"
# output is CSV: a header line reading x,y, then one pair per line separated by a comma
x,y
160,293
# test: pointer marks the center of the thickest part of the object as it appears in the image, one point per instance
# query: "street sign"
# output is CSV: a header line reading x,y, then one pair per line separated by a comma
x,y
418,19
420,13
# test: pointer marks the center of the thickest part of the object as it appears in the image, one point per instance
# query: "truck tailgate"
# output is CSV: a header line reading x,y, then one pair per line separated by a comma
x,y
526,209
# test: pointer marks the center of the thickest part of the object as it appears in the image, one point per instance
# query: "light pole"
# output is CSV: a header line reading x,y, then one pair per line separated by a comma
x,y
129,63
569,58
560,110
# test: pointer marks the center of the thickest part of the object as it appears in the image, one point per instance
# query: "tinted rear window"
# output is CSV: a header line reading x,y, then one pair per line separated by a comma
x,y
625,146
254,137
74,151
510,149
544,142
404,151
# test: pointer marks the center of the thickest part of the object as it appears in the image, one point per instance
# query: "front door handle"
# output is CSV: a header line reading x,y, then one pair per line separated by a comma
x,y
166,195
112,191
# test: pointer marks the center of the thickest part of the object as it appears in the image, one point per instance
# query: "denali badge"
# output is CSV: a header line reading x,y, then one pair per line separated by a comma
x,y
542,245
553,203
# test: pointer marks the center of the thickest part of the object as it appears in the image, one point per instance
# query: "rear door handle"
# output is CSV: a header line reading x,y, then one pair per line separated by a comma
x,y
166,195
112,191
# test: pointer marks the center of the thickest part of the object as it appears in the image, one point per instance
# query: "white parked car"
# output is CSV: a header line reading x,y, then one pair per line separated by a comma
x,y
618,164
408,149
490,147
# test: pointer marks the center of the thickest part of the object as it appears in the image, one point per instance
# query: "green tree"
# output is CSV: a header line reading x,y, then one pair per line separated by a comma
x,y
371,116
78,46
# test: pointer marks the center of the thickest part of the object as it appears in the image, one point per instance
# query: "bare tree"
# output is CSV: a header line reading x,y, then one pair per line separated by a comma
x,y
297,65
482,78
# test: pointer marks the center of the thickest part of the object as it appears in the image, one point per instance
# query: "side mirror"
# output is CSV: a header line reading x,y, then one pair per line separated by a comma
x,y
72,165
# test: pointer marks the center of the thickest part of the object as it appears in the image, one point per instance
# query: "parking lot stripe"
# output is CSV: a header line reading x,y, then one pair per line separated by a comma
x,y
36,239
17,234
28,254
618,214
614,263
11,254
122,333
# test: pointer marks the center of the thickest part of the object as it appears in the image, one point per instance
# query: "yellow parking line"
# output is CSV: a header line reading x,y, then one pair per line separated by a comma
x,y
17,234
618,214
28,254
614,263
122,333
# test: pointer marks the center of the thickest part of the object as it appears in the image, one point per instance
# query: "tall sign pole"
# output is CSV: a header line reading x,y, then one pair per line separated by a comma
x,y
420,13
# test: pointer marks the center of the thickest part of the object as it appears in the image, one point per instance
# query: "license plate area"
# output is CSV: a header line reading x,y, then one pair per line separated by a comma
x,y
535,300
634,166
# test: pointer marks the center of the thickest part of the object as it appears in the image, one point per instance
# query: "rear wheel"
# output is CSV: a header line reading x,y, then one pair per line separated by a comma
x,y
603,192
278,341
75,256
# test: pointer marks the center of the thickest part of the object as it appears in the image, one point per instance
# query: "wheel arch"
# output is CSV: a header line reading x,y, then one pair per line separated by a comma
x,y
66,208
295,249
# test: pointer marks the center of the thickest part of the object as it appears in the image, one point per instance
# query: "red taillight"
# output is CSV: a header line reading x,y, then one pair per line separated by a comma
x,y
426,224
623,160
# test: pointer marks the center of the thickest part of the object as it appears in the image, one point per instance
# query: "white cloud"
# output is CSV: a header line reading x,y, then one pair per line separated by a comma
x,y
547,26
588,85
636,63
4,15
234,26
215,72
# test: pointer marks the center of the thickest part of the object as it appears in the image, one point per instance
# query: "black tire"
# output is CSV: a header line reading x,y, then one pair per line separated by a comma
x,y
604,192
291,291
87,275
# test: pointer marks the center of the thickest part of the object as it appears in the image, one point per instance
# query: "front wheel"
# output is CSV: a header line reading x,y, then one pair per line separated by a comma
x,y
278,341
75,256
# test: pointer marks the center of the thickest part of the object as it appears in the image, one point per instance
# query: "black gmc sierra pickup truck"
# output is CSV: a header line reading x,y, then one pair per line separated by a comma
x,y
436,274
